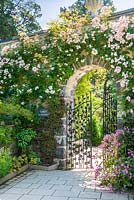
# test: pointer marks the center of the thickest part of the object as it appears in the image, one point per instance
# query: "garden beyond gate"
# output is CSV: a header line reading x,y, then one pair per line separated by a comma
x,y
79,126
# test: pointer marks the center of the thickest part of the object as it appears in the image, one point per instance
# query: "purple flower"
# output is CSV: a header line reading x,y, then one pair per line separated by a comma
x,y
119,131
111,187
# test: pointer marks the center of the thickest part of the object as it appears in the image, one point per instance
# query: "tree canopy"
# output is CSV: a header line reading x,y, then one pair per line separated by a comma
x,y
18,14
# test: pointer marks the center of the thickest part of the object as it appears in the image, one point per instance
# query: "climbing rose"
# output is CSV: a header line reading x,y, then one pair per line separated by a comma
x,y
5,50
128,98
117,69
94,52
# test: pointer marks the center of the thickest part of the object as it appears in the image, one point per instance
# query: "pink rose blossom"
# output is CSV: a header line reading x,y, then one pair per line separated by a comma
x,y
119,36
123,83
120,25
117,69
129,36
128,98
96,22
5,50
103,27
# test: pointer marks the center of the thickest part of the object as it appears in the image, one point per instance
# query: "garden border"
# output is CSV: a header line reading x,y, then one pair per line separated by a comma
x,y
25,168
13,174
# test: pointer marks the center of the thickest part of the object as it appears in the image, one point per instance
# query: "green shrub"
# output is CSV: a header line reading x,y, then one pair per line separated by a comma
x,y
5,162
18,162
24,138
15,110
5,135
96,132
47,146
33,158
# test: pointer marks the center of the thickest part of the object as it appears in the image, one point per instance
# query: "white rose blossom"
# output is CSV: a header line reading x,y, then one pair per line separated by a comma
x,y
50,87
37,87
94,51
50,90
35,69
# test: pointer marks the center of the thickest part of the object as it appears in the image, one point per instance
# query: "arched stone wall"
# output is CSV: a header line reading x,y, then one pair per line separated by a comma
x,y
73,80
91,63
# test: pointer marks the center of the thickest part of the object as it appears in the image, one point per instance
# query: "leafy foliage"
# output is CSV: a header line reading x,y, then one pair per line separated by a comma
x,y
15,13
18,162
96,136
24,138
12,109
5,135
47,146
33,158
5,162
93,82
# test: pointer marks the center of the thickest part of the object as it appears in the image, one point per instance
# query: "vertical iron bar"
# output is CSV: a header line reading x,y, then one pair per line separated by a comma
x,y
91,126
66,136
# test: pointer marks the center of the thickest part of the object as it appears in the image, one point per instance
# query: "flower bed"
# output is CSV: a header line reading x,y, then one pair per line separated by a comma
x,y
117,170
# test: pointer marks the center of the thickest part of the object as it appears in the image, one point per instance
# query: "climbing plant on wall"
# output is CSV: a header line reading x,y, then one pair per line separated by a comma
x,y
35,70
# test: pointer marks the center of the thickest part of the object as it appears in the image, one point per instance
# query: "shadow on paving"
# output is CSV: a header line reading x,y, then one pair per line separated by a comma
x,y
58,185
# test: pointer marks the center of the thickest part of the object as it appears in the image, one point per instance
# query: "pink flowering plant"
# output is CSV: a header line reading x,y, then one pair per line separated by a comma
x,y
72,39
65,47
117,170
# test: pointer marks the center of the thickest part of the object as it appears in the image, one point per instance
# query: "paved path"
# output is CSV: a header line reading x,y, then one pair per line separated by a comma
x,y
57,185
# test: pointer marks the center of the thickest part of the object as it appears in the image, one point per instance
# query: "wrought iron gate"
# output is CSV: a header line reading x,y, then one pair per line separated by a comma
x,y
78,133
79,126
109,109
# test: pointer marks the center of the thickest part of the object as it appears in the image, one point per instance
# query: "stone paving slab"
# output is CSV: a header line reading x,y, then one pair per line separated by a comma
x,y
2,190
74,182
22,185
30,181
114,196
9,196
43,186
94,195
57,185
55,198
73,193
36,186
17,191
61,187
42,192
31,197
80,199
58,182
89,190
78,188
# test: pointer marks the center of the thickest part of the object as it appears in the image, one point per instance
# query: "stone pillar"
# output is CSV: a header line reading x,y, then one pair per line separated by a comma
x,y
61,145
61,138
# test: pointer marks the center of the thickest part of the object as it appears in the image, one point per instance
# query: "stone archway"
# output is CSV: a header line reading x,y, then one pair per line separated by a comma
x,y
74,79
69,92
91,63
